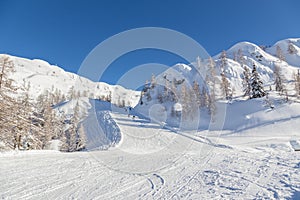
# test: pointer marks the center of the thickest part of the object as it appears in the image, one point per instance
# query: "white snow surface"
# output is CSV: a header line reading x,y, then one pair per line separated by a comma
x,y
257,161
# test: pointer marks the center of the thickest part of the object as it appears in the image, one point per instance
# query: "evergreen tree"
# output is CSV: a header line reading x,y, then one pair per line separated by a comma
x,y
256,84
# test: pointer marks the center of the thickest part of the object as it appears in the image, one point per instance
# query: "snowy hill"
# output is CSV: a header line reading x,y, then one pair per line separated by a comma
x,y
168,88
45,77
290,49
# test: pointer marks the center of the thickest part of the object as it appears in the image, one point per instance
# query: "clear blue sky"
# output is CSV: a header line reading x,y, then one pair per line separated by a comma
x,y
63,32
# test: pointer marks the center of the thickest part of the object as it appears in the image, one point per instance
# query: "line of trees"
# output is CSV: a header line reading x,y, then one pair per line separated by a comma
x,y
27,123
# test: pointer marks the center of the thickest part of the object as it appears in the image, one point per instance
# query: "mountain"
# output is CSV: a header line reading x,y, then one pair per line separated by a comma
x,y
164,94
45,77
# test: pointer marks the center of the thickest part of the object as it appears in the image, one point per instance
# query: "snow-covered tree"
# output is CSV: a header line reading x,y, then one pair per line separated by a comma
x,y
278,79
7,103
153,81
197,93
223,58
204,100
81,141
247,82
71,93
72,132
75,135
297,82
226,87
256,84
211,84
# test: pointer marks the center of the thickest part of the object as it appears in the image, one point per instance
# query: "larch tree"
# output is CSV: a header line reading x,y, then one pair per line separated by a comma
x,y
7,102
278,79
211,83
225,84
226,87
197,93
297,83
279,53
246,82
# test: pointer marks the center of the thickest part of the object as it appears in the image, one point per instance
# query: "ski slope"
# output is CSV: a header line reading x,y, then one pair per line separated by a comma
x,y
151,162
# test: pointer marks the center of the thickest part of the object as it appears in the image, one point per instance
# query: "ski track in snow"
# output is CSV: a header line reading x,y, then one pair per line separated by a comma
x,y
154,163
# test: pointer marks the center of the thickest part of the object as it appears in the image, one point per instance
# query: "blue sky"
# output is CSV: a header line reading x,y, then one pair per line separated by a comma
x,y
63,32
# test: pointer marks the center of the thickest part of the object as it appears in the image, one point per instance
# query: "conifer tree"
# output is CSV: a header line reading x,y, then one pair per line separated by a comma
x,y
256,84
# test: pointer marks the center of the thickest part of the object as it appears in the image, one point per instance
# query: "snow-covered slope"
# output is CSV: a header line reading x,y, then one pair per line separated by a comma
x,y
291,58
42,76
155,163
243,54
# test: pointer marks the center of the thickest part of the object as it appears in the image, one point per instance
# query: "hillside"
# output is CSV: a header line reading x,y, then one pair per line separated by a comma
x,y
45,77
199,87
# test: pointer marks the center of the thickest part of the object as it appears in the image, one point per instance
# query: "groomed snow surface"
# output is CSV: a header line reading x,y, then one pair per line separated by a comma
x,y
149,161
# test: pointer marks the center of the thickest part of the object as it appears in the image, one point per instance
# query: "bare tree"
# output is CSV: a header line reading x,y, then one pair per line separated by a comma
x,y
246,82
278,79
279,53
297,83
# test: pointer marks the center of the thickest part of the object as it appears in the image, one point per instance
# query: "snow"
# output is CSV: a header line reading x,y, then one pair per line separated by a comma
x,y
153,163
43,76
291,59
249,151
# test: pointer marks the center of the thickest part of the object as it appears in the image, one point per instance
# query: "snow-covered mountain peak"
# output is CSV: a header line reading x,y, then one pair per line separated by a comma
x,y
181,66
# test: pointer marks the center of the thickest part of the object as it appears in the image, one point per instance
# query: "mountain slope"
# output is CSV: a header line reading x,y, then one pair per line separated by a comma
x,y
43,76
